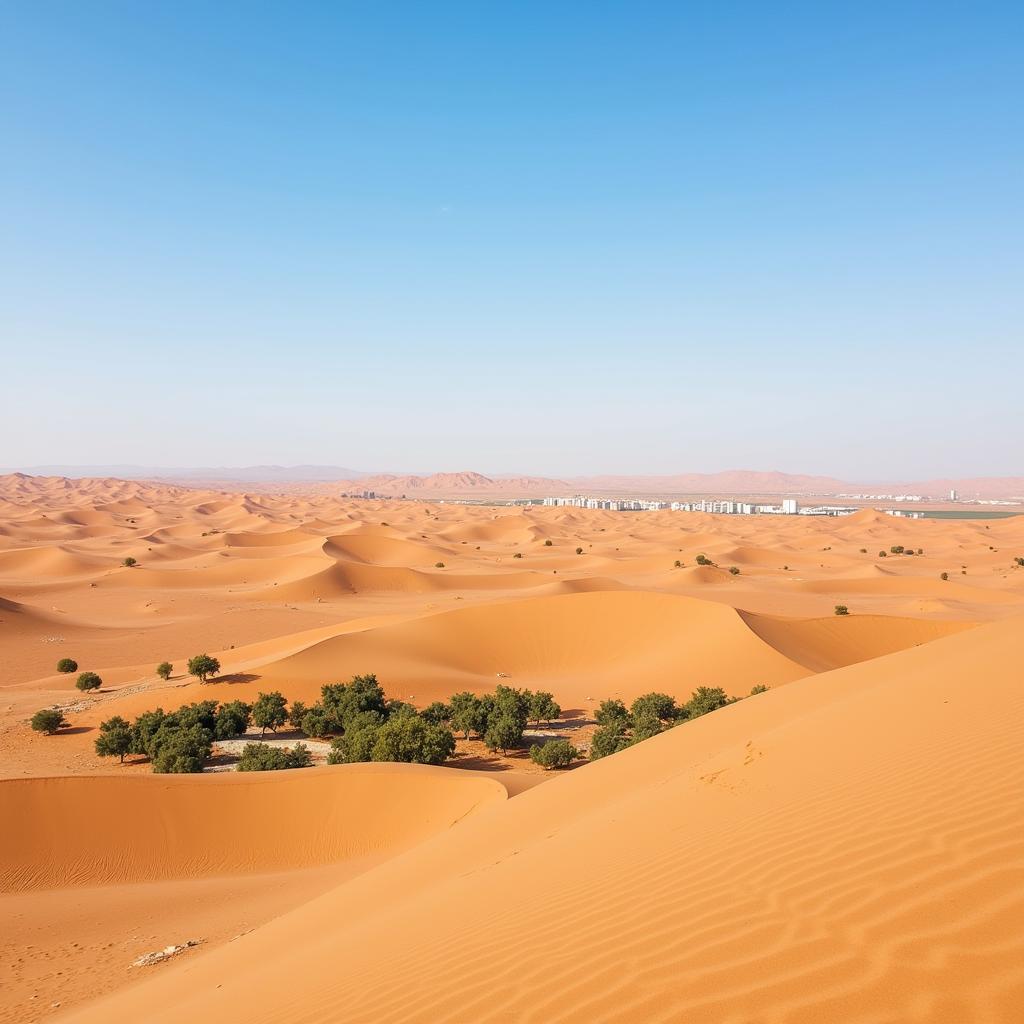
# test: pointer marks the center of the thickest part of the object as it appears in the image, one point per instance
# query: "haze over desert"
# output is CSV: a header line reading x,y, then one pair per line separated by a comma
x,y
511,513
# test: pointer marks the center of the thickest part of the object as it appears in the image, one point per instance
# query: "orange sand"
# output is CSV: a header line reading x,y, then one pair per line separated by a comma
x,y
846,847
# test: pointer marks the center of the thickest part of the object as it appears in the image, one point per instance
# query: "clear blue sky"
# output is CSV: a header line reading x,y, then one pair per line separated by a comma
x,y
543,237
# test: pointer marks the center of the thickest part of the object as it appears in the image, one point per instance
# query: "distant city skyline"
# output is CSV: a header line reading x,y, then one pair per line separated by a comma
x,y
557,239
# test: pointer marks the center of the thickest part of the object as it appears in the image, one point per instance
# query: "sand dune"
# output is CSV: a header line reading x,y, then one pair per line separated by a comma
x,y
89,831
705,875
845,847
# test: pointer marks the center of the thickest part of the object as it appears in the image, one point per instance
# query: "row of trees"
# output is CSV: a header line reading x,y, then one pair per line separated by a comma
x,y
650,715
180,741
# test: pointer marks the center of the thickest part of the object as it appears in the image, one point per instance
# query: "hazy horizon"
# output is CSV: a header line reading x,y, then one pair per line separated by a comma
x,y
557,240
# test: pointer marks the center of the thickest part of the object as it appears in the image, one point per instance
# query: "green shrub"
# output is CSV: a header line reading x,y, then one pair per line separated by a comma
x,y
609,739
841,609
437,713
734,570
202,666
439,565
468,714
88,681
115,738
48,721
543,708
944,576
232,720
547,543
703,560
611,712
178,750
258,757
554,754
518,554
269,711
504,732
704,700
164,670
67,665
654,705
129,562
760,688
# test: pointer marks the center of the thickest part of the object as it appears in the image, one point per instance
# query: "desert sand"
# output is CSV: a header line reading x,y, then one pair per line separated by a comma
x,y
848,846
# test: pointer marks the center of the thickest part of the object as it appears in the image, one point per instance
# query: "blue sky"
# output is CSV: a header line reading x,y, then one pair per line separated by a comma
x,y
536,237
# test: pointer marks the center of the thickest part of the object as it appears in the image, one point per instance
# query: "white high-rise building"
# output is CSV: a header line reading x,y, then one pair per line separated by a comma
x,y
952,494
790,507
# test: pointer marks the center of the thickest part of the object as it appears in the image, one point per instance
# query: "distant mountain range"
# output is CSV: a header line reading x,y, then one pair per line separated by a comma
x,y
188,474
469,483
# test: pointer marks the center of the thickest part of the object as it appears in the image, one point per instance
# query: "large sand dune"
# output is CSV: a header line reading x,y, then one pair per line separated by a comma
x,y
845,847
709,874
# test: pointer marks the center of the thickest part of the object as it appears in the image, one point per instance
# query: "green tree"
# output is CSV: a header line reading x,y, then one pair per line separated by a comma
x,y
88,681
841,609
704,700
760,688
645,726
129,562
202,666
259,757
315,722
504,731
269,712
437,713
468,714
543,708
115,738
609,739
48,721
554,754
180,750
410,739
164,670
355,745
343,701
232,720
655,705
144,728
67,665
612,711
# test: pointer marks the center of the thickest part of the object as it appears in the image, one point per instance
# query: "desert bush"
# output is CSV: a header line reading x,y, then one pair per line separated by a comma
x,y
269,712
734,570
503,732
202,666
760,688
882,554
179,749
841,609
543,708
164,670
48,721
144,728
88,681
944,576
611,712
115,738
609,739
704,700
468,714
555,754
67,665
258,757
703,560
654,705
518,554
548,543
579,551
677,564
232,720
129,562
439,565
437,713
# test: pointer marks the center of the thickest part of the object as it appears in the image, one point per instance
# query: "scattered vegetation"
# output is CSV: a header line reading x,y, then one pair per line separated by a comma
x,y
548,543
703,560
650,715
518,554
202,666
439,565
579,551
944,576
258,757
841,609
554,754
269,712
67,665
164,670
48,721
88,681
115,738
734,570
129,562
